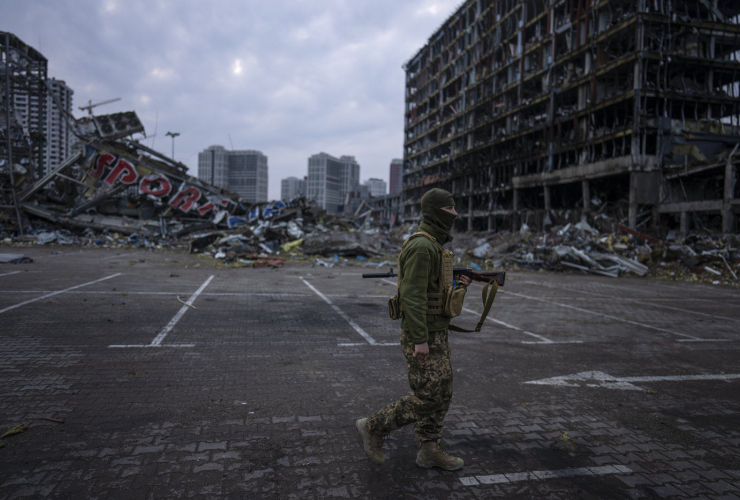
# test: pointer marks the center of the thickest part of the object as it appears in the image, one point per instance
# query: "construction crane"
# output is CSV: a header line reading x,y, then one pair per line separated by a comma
x,y
90,105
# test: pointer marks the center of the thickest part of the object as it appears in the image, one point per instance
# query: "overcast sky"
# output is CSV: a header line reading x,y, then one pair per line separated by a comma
x,y
287,77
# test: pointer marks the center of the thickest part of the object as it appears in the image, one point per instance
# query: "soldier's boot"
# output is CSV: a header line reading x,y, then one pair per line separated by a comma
x,y
431,455
372,442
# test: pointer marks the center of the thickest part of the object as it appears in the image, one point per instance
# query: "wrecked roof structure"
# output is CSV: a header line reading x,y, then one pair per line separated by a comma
x,y
522,108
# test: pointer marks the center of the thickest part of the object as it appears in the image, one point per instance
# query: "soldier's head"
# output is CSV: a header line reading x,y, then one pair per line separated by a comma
x,y
438,209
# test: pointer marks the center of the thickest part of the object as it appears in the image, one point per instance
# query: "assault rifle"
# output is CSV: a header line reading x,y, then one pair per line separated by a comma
x,y
482,276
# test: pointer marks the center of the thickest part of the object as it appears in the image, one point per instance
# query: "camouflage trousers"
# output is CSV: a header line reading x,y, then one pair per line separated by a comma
x,y
431,391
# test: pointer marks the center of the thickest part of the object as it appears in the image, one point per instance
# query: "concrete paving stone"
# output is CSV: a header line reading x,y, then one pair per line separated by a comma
x,y
205,446
722,487
28,491
714,474
667,491
306,390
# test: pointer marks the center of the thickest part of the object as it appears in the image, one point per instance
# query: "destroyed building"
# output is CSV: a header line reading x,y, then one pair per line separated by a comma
x,y
543,111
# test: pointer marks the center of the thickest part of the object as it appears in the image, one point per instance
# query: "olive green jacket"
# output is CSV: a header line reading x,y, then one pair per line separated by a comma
x,y
420,263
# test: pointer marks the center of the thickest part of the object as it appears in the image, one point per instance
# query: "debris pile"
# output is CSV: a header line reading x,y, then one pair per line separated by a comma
x,y
116,192
581,247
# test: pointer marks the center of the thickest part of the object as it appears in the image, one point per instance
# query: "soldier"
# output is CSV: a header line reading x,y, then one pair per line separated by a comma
x,y
423,339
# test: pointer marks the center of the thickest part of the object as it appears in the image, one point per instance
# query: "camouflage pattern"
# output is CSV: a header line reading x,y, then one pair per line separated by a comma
x,y
431,391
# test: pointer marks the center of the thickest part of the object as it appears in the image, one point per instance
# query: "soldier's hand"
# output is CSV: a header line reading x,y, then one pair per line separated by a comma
x,y
421,351
464,280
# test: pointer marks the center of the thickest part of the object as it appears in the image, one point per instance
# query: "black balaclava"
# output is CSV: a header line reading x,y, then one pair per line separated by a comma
x,y
431,209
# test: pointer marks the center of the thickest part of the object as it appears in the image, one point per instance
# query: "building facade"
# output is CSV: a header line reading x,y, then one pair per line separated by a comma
x,y
244,172
330,179
292,187
396,176
59,136
529,111
378,187
40,113
350,173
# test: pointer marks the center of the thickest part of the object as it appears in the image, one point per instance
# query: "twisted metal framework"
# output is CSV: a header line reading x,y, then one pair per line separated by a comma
x,y
23,71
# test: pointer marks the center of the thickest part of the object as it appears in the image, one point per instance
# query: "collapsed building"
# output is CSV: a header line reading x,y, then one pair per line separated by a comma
x,y
112,183
542,112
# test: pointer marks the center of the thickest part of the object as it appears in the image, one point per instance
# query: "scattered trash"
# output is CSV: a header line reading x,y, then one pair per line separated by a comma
x,y
565,442
15,430
55,420
185,303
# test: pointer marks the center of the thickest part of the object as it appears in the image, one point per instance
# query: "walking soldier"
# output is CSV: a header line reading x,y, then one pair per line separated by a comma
x,y
426,301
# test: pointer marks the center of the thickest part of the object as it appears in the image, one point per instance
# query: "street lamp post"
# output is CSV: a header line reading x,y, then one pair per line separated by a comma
x,y
173,135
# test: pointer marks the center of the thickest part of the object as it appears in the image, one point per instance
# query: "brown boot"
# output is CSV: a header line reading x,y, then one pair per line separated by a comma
x,y
431,455
372,442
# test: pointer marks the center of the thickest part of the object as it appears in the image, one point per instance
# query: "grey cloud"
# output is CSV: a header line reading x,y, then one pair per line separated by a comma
x,y
315,75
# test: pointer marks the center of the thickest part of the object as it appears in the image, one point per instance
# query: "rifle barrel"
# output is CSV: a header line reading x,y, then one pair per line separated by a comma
x,y
379,275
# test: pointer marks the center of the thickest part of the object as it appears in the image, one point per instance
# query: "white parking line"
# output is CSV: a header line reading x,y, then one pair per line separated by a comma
x,y
604,380
541,339
12,272
688,338
540,475
157,342
354,325
52,294
640,301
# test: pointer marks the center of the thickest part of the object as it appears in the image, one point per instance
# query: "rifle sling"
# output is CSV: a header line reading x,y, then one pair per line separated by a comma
x,y
489,293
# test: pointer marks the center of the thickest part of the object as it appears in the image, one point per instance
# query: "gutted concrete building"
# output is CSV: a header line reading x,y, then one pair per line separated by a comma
x,y
542,111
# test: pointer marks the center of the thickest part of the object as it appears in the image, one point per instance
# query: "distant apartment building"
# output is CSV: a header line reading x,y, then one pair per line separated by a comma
x,y
59,136
378,187
396,176
292,187
330,179
350,173
243,172
40,112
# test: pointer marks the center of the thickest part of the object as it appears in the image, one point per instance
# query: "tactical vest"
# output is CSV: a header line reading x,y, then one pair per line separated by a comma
x,y
447,301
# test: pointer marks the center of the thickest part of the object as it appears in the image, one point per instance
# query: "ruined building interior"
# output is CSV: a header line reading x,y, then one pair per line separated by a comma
x,y
23,75
541,112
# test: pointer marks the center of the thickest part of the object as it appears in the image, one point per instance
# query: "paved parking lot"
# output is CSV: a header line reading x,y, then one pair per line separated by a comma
x,y
177,379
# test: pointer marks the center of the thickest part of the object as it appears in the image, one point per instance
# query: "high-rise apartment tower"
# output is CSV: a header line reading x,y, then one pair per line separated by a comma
x,y
243,172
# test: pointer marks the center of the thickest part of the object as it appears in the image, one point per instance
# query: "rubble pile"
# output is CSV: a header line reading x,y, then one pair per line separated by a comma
x,y
581,247
115,192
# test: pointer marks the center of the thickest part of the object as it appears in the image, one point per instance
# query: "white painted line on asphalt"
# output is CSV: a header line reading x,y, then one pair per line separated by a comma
x,y
615,318
52,294
604,380
354,325
704,289
704,340
541,339
541,475
639,301
160,337
150,345
157,342
113,257
12,272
